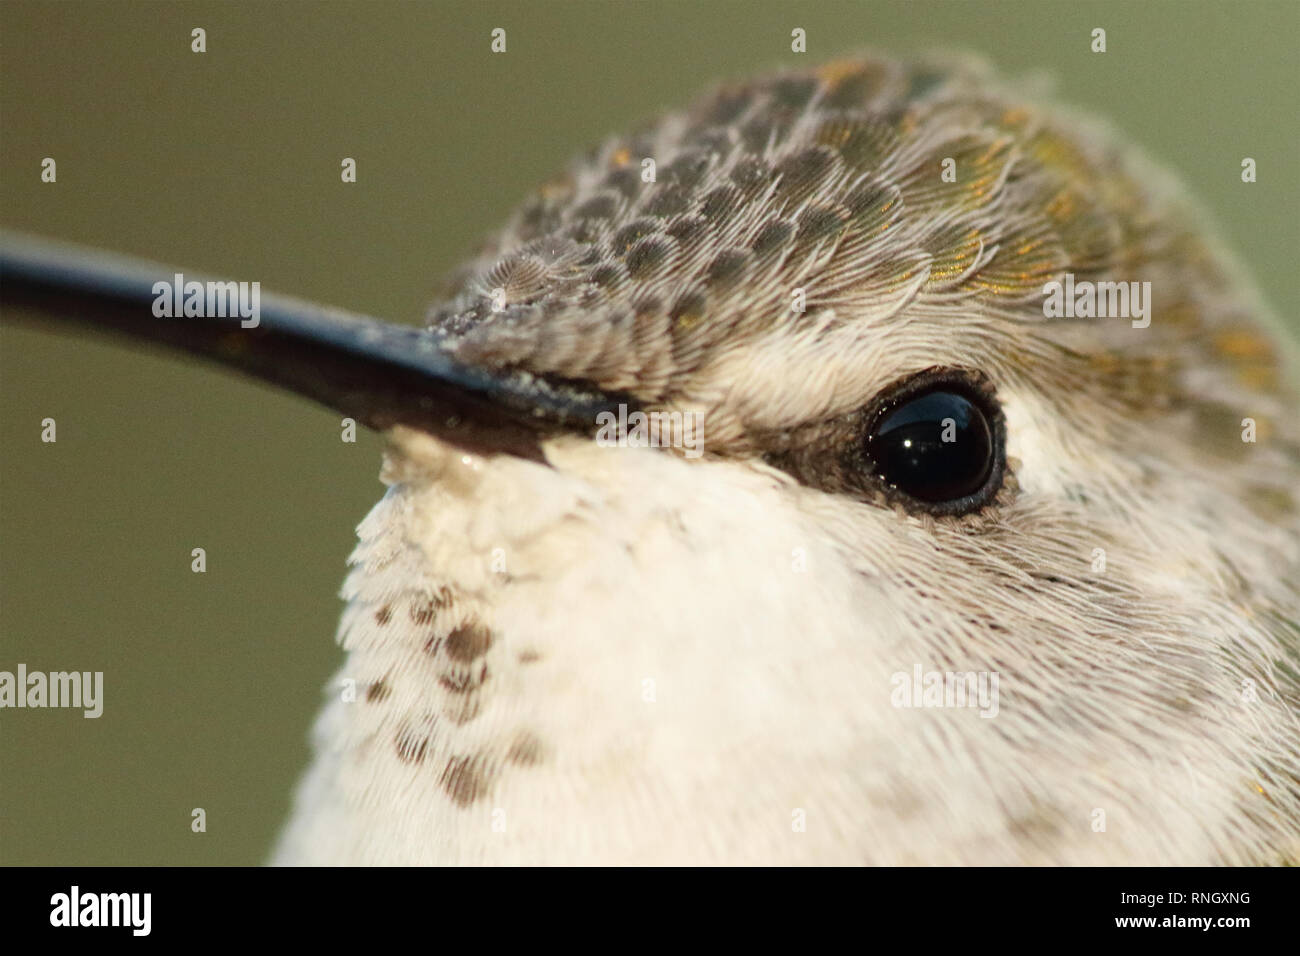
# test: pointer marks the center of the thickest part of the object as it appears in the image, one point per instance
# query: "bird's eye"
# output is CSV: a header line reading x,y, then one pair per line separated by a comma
x,y
938,441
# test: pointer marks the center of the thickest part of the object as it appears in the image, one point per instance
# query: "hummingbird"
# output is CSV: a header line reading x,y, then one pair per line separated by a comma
x,y
967,532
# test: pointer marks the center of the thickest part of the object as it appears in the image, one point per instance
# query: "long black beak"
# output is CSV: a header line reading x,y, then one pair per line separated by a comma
x,y
376,372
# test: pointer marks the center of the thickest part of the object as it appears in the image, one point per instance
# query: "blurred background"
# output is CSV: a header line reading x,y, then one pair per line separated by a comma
x,y
227,162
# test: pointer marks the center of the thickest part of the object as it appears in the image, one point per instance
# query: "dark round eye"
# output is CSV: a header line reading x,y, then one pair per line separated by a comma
x,y
936,444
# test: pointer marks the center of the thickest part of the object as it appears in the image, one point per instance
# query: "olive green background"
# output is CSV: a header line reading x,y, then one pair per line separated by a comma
x,y
228,162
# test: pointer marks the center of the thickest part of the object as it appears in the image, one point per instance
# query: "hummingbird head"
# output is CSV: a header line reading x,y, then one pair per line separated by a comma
x,y
915,464
862,465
